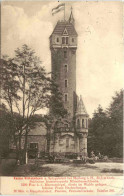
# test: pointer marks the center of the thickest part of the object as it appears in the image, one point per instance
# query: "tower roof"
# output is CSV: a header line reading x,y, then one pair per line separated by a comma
x,y
81,110
61,26
71,18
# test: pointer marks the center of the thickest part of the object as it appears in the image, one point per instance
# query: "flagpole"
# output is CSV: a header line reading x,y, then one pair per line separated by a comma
x,y
64,12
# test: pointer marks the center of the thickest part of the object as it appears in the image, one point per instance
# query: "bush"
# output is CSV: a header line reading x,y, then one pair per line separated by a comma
x,y
7,166
12,155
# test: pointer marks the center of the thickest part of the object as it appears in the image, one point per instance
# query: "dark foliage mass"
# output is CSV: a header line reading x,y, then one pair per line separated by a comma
x,y
106,129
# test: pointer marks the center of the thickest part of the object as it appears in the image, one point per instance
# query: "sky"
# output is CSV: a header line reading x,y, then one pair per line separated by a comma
x,y
99,60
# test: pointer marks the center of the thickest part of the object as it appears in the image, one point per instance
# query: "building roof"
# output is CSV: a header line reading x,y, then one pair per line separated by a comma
x,y
39,129
81,110
60,27
71,18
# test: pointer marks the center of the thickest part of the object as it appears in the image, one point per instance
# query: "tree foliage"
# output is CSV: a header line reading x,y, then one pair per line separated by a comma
x,y
106,129
5,129
26,88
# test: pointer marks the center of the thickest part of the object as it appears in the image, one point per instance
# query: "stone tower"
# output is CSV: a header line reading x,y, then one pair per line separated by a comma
x,y
63,45
69,136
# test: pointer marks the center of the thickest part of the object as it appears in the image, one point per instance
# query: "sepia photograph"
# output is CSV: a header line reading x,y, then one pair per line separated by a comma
x,y
61,109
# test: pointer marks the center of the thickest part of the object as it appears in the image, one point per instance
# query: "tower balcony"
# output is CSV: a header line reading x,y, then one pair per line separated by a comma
x,y
63,46
69,46
82,130
64,129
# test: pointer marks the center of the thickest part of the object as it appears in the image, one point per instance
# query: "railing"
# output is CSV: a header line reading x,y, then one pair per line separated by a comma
x,y
82,130
61,129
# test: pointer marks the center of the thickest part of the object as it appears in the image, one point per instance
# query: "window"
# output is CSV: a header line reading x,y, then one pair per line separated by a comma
x,y
65,54
34,145
86,123
57,39
67,142
66,83
66,97
66,40
78,123
72,39
60,142
66,68
82,123
63,40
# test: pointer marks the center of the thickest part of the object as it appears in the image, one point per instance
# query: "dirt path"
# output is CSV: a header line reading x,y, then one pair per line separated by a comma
x,y
97,169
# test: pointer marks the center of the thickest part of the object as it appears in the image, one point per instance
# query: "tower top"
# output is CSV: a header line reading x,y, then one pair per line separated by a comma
x,y
71,18
62,25
81,110
65,25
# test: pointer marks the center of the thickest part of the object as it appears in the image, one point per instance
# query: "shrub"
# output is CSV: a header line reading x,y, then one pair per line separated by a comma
x,y
7,166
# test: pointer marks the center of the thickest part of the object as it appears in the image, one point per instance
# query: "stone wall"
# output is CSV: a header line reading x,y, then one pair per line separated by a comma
x,y
64,144
61,73
40,139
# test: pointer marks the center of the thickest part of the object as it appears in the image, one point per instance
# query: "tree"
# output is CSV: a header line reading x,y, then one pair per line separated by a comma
x,y
25,89
106,129
115,114
97,131
5,129
9,90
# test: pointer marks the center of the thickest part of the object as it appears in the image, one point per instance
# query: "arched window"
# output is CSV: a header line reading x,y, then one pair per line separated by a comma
x,y
66,83
86,123
63,40
66,97
67,142
78,123
66,40
66,68
82,123
57,39
72,39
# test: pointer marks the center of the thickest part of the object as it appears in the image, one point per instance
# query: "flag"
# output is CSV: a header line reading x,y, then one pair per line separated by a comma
x,y
58,8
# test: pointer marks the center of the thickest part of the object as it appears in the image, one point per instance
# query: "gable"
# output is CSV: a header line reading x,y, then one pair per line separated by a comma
x,y
61,26
65,32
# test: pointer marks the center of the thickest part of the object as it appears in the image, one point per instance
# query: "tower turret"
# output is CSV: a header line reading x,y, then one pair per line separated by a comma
x,y
82,126
71,18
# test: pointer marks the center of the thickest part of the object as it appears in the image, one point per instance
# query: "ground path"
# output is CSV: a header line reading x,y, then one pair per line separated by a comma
x,y
97,169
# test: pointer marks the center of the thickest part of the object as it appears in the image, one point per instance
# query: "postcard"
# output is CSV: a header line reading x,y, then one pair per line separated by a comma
x,y
61,122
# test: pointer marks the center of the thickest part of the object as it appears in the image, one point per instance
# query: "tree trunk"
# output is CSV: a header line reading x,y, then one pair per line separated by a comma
x,y
19,141
25,145
19,148
48,140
